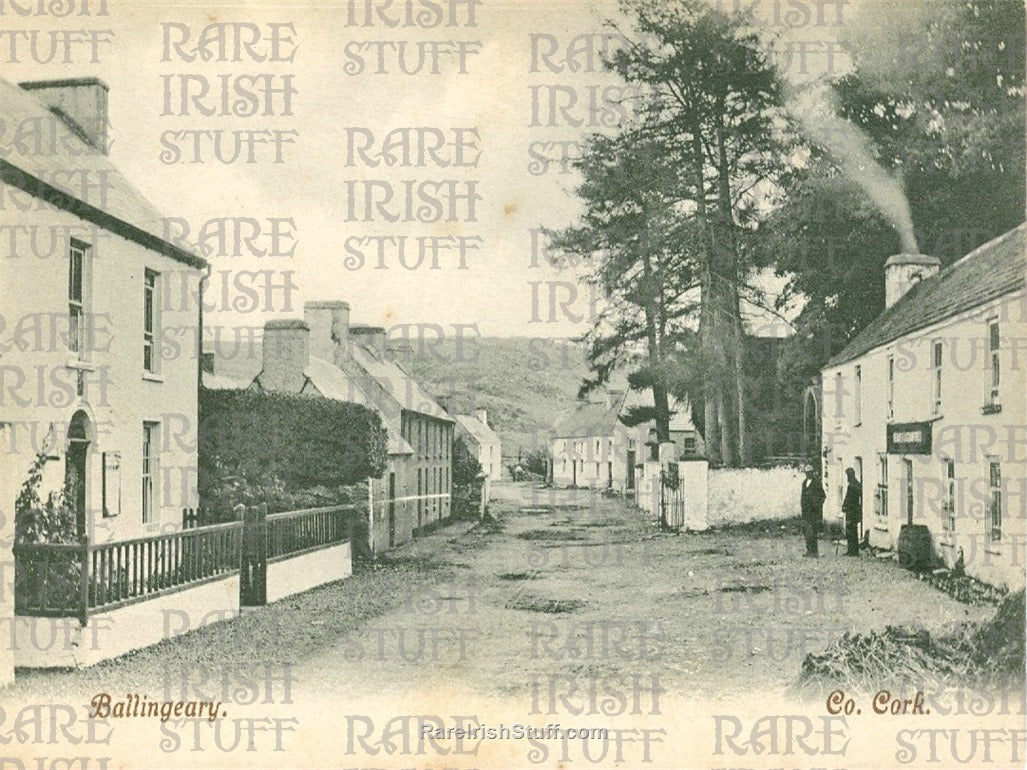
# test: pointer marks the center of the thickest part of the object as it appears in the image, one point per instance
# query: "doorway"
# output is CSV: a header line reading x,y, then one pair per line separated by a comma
x,y
76,469
392,510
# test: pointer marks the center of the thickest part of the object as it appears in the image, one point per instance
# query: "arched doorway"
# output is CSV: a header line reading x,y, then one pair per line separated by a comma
x,y
811,424
76,468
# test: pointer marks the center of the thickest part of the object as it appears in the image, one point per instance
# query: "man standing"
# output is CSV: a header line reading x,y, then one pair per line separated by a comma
x,y
852,507
811,502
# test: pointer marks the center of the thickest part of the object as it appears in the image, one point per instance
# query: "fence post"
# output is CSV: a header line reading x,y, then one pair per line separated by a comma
x,y
84,582
253,572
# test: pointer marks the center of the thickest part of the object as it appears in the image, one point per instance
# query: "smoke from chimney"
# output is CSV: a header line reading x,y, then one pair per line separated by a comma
x,y
851,149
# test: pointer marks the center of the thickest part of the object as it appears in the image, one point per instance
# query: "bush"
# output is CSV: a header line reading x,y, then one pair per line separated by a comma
x,y
466,497
36,521
292,441
221,491
537,462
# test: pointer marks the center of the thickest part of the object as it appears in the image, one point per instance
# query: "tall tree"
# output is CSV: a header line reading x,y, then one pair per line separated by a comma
x,y
715,98
642,253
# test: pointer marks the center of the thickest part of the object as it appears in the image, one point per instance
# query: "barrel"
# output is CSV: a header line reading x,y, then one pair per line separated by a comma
x,y
915,547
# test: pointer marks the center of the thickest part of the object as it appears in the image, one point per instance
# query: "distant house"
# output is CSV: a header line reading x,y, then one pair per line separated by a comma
x,y
927,406
323,354
483,441
592,447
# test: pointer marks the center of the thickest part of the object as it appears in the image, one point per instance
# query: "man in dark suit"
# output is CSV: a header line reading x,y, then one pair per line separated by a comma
x,y
852,507
811,502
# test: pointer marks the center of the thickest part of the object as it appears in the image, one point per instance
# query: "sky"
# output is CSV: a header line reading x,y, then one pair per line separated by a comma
x,y
492,75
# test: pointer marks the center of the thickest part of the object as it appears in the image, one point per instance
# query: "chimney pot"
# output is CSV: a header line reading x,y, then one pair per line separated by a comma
x,y
903,271
80,102
286,353
372,337
329,328
482,415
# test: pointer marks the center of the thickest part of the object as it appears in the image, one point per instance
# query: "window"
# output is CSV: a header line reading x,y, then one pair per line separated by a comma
x,y
77,298
882,487
993,348
908,464
936,358
150,472
949,505
150,322
857,395
838,390
995,484
891,387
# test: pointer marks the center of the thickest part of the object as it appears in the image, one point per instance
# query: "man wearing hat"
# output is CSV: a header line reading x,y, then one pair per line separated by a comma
x,y
811,503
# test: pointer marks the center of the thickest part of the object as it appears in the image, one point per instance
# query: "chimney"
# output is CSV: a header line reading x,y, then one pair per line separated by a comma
x,y
79,102
612,397
903,271
482,415
286,353
372,337
328,321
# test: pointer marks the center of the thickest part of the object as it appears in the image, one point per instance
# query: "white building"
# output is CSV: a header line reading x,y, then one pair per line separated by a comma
x,y
102,322
483,442
592,447
99,345
927,405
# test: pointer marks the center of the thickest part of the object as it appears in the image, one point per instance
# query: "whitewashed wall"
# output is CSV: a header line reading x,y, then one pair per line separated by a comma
x,y
739,495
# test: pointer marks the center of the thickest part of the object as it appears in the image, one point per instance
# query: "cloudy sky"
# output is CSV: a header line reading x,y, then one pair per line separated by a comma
x,y
505,94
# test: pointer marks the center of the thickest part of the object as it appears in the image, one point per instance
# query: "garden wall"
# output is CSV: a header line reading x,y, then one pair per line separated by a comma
x,y
41,642
739,495
296,574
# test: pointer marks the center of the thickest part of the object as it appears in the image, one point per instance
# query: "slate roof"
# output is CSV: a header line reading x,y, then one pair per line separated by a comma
x,y
596,419
990,271
42,168
479,431
393,388
332,382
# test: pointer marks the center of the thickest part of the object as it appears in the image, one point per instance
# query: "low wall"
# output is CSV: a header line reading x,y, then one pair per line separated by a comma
x,y
296,574
66,643
739,495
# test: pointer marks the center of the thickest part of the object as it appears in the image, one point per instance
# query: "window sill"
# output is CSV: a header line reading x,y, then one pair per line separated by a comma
x,y
881,527
80,364
946,544
991,409
993,550
151,377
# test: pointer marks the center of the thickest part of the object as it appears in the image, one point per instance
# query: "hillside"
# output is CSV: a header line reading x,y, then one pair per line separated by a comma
x,y
524,383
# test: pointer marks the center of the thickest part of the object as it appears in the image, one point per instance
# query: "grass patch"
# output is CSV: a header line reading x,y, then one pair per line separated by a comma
x,y
516,576
543,604
546,534
744,589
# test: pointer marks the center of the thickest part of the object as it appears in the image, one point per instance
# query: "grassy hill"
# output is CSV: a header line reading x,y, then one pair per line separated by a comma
x,y
524,383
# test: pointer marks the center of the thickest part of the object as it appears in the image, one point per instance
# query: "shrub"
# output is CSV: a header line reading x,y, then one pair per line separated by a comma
x,y
36,521
280,438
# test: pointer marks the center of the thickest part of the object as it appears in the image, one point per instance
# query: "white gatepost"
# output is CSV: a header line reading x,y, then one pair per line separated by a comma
x,y
8,493
694,478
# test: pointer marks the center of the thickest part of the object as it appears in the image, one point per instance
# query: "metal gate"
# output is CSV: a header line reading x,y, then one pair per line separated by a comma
x,y
672,498
253,572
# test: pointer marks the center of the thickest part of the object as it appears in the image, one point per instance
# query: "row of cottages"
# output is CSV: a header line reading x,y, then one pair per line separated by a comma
x,y
592,447
927,405
482,441
323,354
87,381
